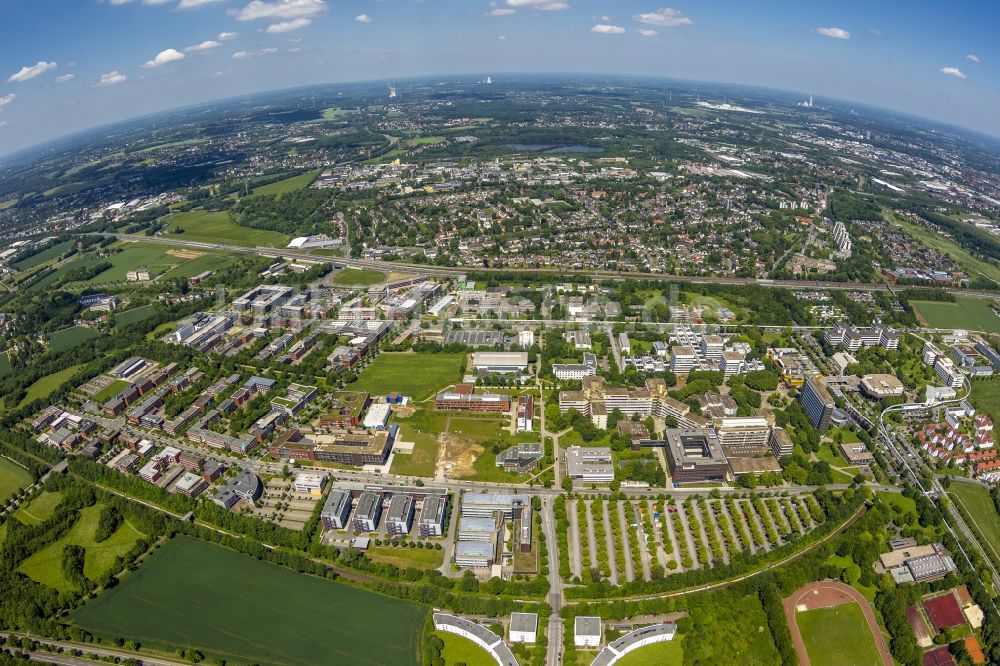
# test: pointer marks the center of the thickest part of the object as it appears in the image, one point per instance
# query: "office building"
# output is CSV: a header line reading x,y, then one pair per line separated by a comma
x,y
501,363
683,359
878,387
368,512
586,631
432,514
693,455
336,510
781,443
399,517
476,554
310,483
817,402
590,464
477,529
523,627
743,437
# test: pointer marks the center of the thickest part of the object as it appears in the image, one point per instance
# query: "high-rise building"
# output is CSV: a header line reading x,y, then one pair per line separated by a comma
x,y
817,401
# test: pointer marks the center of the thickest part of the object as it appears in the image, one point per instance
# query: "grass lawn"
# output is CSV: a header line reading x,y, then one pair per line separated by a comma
x,y
110,391
844,562
976,501
422,460
45,566
47,384
418,558
657,654
43,256
234,607
39,509
67,338
13,477
129,317
986,397
217,227
838,635
358,276
212,261
161,260
280,187
477,430
458,649
57,274
412,374
967,313
5,366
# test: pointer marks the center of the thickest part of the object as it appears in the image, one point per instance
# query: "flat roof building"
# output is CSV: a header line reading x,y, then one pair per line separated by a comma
x,y
743,437
523,627
586,631
881,386
590,464
399,517
694,455
336,509
500,362
474,554
368,512
432,513
477,529
817,402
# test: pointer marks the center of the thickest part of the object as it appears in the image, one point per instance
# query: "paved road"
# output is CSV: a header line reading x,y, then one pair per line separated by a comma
x,y
555,597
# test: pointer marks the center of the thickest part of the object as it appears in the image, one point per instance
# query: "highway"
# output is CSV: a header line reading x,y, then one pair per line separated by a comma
x,y
566,273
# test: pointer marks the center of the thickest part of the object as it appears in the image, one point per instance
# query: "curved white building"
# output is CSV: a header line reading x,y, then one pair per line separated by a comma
x,y
478,634
656,633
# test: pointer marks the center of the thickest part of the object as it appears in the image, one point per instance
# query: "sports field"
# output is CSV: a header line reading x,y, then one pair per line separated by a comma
x,y
358,276
412,374
45,566
968,313
216,227
292,184
67,338
48,384
13,477
838,635
459,650
670,653
39,509
243,610
975,499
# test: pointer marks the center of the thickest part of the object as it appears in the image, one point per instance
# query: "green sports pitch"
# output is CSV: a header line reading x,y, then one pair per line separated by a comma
x,y
968,313
838,635
190,593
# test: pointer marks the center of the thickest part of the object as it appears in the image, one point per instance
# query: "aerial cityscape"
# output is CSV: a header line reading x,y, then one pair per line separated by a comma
x,y
431,334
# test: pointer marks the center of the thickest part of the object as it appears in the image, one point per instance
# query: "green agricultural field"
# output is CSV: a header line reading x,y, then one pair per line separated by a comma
x,y
129,317
5,366
986,397
670,653
67,338
110,391
45,566
412,374
280,187
217,227
48,384
969,313
358,276
211,261
243,610
38,510
59,273
43,256
160,260
418,558
459,650
976,501
838,635
7,203
13,477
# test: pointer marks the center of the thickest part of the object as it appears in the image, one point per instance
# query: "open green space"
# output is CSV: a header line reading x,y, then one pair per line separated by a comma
x,y
243,610
129,317
974,266
67,338
160,260
7,203
475,429
418,558
838,635
422,460
43,256
968,313
986,397
5,367
211,261
280,187
358,276
13,477
217,227
47,384
110,391
38,510
45,566
670,653
458,649
412,374
59,273
976,501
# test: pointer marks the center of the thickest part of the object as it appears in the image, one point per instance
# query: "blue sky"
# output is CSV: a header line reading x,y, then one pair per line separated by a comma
x,y
66,65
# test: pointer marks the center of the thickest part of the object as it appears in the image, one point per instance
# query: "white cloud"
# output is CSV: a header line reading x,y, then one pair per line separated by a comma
x,y
206,45
64,78
502,38
154,2
118,2
164,57
501,11
875,31
646,32
972,57
284,9
29,72
111,78
604,29
363,18
251,54
543,5
667,17
226,36
193,4
836,33
953,71
7,99
289,26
